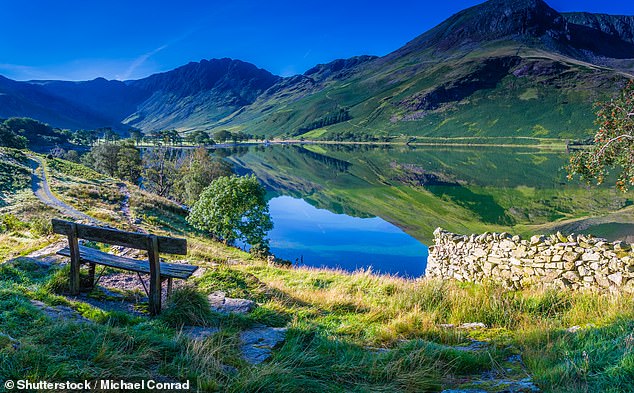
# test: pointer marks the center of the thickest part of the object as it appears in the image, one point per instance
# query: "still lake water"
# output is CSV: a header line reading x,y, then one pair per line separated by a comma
x,y
304,234
351,207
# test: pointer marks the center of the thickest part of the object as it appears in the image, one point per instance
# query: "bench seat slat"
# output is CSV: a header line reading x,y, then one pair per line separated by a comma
x,y
173,270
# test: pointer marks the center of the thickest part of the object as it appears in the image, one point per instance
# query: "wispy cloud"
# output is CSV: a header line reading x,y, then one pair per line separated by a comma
x,y
25,72
90,68
142,59
138,62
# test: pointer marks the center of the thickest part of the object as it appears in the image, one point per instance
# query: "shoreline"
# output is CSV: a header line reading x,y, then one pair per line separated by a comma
x,y
561,146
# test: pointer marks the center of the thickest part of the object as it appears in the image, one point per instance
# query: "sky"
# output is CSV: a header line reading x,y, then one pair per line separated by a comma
x,y
131,39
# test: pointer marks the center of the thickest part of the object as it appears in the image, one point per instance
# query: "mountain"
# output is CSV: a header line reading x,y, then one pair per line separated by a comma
x,y
111,100
620,26
24,99
504,68
198,93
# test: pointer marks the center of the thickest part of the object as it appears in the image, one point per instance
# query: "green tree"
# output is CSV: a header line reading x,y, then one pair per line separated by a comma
x,y
613,143
129,163
233,208
9,138
136,136
159,173
200,138
72,155
104,158
109,135
85,137
196,172
222,136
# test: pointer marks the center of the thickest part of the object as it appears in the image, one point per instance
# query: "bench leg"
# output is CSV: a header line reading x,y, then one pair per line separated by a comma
x,y
169,287
91,275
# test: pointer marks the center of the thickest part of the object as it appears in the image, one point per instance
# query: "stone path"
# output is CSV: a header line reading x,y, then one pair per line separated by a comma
x,y
199,332
511,376
258,342
64,313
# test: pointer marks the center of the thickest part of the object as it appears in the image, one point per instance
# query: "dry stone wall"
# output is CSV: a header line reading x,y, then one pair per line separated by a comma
x,y
574,261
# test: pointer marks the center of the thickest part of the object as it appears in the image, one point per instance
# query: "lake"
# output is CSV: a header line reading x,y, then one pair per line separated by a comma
x,y
306,235
356,206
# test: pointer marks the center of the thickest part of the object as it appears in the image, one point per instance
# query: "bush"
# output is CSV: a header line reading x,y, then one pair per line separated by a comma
x,y
41,227
260,250
11,223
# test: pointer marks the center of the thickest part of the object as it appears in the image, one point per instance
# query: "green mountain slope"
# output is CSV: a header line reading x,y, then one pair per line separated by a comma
x,y
502,68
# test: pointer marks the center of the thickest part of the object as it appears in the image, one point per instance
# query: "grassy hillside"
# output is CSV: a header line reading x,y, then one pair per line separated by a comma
x,y
493,92
347,332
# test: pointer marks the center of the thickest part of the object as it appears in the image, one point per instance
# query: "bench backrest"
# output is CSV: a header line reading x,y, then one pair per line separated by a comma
x,y
134,240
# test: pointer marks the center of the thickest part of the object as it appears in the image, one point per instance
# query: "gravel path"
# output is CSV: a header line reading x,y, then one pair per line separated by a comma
x,y
41,189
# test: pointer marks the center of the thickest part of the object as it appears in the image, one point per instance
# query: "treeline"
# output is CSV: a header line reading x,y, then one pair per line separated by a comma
x,y
339,116
172,173
197,137
21,132
356,136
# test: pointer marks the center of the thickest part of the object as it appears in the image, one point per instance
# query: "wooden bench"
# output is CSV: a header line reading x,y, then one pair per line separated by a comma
x,y
153,244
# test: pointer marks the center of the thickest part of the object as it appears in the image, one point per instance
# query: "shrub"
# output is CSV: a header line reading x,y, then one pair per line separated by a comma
x,y
11,223
41,227
260,250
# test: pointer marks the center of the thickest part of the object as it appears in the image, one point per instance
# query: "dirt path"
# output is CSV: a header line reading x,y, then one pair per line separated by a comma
x,y
41,189
125,208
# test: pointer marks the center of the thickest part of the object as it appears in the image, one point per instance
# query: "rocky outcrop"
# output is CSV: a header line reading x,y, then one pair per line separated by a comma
x,y
575,261
259,342
620,26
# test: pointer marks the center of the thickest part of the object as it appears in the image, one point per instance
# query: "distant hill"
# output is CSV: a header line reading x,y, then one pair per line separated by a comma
x,y
198,94
25,99
111,100
502,68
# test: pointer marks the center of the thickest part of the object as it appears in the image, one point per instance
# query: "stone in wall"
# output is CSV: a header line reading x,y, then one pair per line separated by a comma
x,y
574,261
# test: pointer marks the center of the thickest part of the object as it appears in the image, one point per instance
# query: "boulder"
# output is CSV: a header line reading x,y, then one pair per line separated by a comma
x,y
219,302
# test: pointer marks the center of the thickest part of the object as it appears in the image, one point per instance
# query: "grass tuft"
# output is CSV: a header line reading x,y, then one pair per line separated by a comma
x,y
188,306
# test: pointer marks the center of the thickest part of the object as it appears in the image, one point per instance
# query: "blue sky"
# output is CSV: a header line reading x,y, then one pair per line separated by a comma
x,y
81,40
